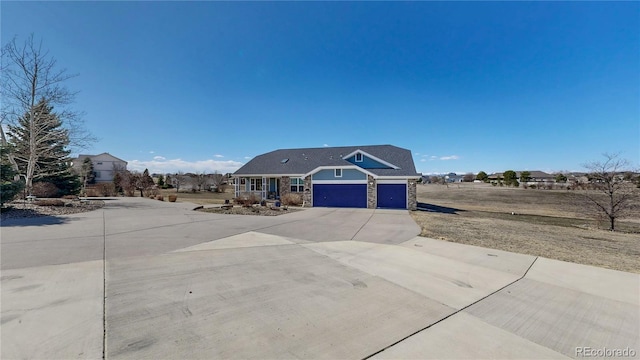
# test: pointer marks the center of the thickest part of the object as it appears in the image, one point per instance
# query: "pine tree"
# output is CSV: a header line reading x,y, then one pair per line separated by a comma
x,y
87,173
9,187
40,147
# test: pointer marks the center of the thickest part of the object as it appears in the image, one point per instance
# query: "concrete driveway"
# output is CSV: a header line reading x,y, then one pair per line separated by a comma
x,y
319,283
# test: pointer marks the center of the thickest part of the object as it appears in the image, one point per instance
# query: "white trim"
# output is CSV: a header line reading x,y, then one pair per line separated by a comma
x,y
320,168
361,157
372,157
338,182
335,173
389,181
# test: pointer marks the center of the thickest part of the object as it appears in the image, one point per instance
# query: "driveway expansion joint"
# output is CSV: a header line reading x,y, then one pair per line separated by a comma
x,y
453,313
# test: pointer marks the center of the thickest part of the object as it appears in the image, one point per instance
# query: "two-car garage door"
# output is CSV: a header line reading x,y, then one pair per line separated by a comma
x,y
389,196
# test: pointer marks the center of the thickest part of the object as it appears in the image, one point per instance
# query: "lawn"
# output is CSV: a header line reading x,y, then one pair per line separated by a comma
x,y
549,223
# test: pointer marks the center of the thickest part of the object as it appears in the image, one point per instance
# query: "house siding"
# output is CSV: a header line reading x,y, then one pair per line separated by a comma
x,y
347,174
367,163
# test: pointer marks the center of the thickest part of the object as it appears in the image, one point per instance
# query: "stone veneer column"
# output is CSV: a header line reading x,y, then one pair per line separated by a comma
x,y
372,192
285,186
306,196
413,201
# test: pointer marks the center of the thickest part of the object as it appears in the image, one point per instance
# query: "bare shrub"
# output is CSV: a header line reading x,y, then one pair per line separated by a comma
x,y
291,199
91,192
49,202
247,199
105,189
45,190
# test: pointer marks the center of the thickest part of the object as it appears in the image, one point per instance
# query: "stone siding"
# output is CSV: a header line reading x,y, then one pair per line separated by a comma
x,y
372,192
285,186
412,201
306,197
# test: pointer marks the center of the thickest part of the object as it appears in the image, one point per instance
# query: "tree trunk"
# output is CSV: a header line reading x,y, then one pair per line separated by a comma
x,y
613,220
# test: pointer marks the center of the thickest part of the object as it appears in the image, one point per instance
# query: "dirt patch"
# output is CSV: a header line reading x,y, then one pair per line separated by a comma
x,y
26,209
535,222
256,210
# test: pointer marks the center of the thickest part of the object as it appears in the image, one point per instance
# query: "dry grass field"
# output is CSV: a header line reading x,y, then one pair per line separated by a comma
x,y
549,223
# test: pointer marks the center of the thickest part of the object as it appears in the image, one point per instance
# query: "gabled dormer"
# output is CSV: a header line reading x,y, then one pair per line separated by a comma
x,y
367,161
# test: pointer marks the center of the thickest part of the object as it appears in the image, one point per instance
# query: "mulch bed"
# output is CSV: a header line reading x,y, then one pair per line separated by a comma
x,y
255,210
27,209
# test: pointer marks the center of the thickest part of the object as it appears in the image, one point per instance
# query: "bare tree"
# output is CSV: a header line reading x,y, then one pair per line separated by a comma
x,y
608,193
180,179
30,77
201,180
468,177
217,182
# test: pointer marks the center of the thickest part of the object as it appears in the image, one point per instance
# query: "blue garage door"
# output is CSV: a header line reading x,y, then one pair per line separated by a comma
x,y
340,195
392,196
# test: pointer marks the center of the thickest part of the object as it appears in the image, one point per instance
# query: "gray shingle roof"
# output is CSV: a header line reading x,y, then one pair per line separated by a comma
x,y
303,161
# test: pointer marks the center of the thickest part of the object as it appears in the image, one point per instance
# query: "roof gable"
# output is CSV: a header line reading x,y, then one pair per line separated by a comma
x,y
305,160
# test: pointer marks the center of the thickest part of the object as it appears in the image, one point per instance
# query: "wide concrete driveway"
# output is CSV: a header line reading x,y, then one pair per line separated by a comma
x,y
146,279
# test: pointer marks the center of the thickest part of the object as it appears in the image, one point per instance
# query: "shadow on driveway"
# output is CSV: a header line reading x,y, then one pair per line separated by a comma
x,y
35,221
438,209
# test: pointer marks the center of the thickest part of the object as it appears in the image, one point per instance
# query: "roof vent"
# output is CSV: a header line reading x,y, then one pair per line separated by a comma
x,y
284,161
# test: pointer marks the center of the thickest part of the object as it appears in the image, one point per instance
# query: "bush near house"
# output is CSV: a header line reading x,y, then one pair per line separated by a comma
x,y
291,199
45,190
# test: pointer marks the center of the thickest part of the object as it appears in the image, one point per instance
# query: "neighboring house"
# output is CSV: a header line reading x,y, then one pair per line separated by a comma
x,y
453,177
375,176
535,176
104,166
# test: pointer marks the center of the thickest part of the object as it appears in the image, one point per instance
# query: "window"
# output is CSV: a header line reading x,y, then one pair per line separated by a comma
x,y
358,157
338,173
97,174
297,185
99,163
256,184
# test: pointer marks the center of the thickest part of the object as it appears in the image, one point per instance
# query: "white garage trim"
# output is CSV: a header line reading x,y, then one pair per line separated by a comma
x,y
389,181
338,182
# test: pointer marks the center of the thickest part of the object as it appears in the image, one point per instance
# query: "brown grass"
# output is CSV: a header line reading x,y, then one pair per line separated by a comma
x,y
200,198
551,224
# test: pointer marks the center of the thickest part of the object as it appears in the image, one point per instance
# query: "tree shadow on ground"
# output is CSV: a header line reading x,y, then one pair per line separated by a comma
x,y
438,209
38,220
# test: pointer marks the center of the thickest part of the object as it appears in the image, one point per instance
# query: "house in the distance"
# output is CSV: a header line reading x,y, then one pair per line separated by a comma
x,y
373,176
105,166
535,176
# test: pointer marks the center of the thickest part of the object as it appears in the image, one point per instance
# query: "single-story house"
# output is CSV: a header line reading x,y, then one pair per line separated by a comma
x,y
105,165
373,176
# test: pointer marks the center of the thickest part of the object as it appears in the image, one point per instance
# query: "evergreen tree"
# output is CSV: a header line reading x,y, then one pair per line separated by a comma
x,y
40,146
161,181
9,187
87,173
482,176
510,178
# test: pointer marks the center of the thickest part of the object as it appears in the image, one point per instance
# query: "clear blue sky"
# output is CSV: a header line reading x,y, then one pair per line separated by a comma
x,y
204,86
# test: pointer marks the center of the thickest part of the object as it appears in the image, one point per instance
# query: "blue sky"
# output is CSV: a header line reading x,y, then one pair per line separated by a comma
x,y
205,86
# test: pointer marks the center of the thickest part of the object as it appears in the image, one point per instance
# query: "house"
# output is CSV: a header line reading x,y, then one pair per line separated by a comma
x,y
105,166
453,177
374,176
535,176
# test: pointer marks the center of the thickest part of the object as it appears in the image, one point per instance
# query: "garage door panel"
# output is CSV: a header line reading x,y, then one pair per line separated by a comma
x,y
340,195
392,196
